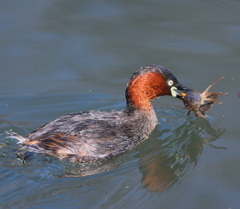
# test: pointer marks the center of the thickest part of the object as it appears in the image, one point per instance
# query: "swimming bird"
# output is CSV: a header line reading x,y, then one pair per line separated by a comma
x,y
98,135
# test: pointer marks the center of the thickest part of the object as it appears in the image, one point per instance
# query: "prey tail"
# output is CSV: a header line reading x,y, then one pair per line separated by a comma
x,y
14,135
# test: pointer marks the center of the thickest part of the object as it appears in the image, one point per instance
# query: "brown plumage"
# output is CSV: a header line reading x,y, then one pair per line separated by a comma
x,y
96,135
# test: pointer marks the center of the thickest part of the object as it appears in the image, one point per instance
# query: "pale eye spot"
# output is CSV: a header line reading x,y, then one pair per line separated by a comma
x,y
170,82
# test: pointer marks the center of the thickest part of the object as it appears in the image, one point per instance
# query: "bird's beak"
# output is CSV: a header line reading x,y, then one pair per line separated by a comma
x,y
179,87
183,88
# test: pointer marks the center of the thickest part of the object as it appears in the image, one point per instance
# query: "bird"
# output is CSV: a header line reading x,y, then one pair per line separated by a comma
x,y
90,136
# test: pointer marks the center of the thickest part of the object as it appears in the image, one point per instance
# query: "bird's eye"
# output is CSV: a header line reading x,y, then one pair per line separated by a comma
x,y
170,82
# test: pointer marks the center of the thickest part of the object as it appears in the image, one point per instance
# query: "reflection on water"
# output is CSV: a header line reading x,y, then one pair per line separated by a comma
x,y
174,156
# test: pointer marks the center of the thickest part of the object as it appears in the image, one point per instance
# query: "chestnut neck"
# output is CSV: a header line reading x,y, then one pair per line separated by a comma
x,y
142,88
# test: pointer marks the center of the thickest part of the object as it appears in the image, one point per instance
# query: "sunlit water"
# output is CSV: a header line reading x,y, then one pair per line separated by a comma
x,y
59,57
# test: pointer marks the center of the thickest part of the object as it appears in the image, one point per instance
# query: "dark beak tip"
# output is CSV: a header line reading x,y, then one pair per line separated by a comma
x,y
179,96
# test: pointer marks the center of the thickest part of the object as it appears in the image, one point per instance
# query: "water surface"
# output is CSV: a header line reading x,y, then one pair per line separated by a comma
x,y
58,57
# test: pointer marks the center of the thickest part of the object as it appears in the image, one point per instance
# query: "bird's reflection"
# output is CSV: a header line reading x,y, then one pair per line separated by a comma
x,y
177,154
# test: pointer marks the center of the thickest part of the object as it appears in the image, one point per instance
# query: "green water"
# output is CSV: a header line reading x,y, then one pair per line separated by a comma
x,y
58,57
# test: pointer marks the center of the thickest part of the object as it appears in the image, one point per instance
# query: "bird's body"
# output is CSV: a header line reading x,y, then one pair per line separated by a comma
x,y
96,135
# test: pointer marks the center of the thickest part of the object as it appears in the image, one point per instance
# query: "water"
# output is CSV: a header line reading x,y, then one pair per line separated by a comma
x,y
58,57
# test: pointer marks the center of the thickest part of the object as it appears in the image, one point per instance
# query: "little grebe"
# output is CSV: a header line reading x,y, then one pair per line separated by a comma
x,y
96,135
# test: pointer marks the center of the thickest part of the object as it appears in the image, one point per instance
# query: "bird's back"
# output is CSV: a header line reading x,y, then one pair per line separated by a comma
x,y
89,136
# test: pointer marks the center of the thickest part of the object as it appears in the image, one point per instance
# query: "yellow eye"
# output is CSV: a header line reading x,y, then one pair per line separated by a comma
x,y
170,82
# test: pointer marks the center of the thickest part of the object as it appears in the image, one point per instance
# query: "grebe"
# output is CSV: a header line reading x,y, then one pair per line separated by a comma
x,y
95,135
